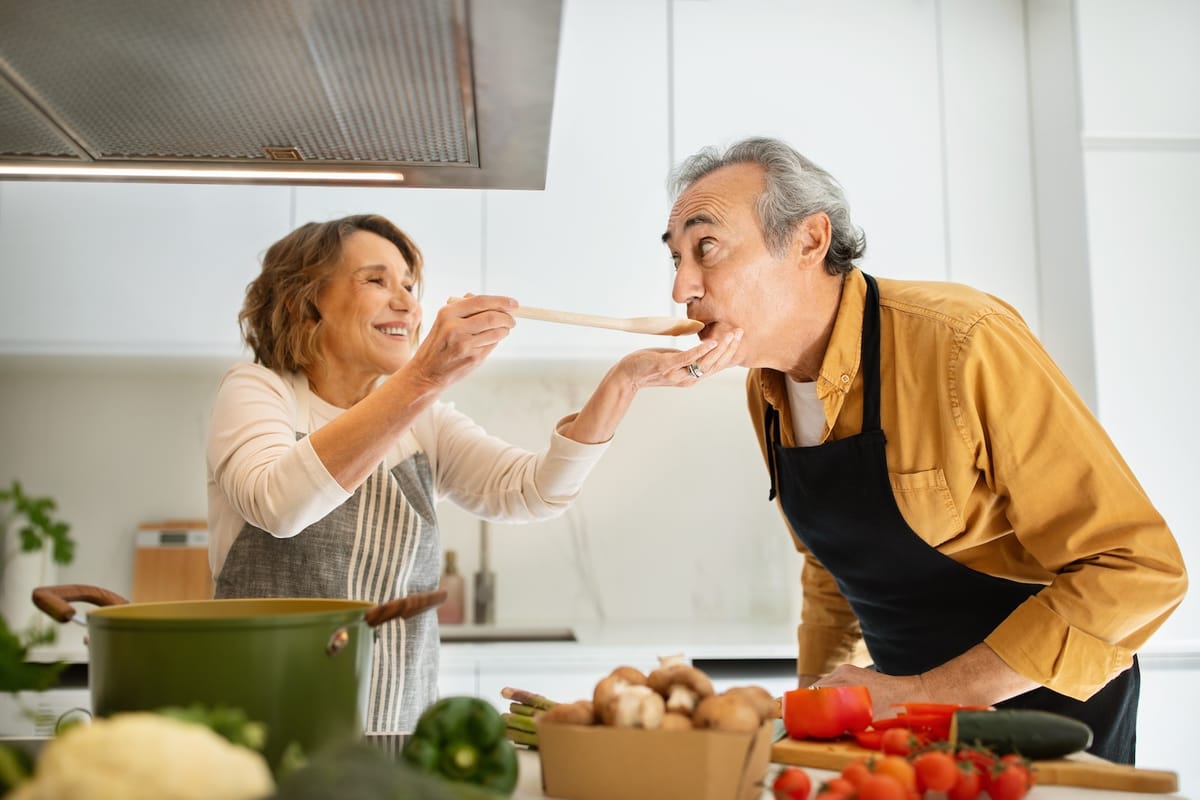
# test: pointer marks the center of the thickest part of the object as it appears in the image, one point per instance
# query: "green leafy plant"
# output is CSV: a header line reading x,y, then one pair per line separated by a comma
x,y
19,675
39,528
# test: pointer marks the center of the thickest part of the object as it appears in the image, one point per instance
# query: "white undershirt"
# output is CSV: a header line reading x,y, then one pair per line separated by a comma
x,y
808,412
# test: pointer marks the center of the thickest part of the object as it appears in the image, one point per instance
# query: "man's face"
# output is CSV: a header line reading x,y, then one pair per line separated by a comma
x,y
724,273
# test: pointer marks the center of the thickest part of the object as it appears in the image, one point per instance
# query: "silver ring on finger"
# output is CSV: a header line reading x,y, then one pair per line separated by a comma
x,y
694,370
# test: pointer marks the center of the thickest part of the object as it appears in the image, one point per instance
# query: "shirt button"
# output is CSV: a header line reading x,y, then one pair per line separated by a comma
x,y
845,379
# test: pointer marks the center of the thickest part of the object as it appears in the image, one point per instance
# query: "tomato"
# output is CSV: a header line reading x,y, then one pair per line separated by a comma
x,y
966,785
1010,782
856,770
897,741
838,785
899,768
826,712
881,787
936,770
984,761
870,739
792,783
1024,763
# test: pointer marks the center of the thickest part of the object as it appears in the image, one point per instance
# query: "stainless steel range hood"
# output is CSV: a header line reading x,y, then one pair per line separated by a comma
x,y
449,93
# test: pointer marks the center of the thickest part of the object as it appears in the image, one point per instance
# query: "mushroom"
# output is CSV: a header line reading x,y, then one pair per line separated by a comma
x,y
675,721
726,712
616,680
634,707
578,713
766,706
682,685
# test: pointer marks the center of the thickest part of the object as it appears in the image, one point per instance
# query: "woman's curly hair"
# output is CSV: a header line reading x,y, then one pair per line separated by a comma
x,y
279,319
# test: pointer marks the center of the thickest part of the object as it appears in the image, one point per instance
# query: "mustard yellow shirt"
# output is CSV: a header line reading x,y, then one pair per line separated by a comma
x,y
995,461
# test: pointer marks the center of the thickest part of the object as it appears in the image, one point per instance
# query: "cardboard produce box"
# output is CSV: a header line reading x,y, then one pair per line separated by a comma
x,y
598,762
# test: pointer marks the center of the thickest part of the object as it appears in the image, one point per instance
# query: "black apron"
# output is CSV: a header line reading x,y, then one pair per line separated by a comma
x,y
917,607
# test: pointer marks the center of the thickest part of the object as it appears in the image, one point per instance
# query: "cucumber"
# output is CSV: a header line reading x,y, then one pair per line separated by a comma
x,y
1033,734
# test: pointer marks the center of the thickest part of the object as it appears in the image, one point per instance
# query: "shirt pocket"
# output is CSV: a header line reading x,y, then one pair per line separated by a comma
x,y
926,504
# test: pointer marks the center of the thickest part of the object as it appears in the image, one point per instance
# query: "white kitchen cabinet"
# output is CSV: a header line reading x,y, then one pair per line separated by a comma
x,y
130,269
446,224
591,242
852,86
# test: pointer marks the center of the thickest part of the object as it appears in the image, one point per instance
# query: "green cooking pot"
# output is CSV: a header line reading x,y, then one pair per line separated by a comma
x,y
301,666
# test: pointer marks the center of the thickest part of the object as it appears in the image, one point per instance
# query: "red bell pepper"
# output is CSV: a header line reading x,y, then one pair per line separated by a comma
x,y
826,712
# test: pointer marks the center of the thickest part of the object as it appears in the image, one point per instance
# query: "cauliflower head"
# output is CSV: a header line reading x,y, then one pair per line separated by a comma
x,y
145,756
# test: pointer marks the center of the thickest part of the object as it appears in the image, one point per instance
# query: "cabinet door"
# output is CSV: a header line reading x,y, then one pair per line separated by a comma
x,y
130,268
591,241
446,225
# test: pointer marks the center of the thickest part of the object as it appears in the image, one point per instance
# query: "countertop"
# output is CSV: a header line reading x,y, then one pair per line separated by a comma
x,y
529,639
529,784
695,640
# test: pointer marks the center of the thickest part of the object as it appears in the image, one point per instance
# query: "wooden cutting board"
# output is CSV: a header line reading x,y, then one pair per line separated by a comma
x,y
1080,769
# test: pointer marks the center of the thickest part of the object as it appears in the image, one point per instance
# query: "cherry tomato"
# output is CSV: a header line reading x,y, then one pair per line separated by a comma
x,y
792,783
984,761
936,770
897,741
881,787
1024,763
966,785
899,768
838,785
826,712
1010,782
871,739
856,770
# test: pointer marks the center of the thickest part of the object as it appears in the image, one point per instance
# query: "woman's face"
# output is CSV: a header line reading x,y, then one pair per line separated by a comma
x,y
369,314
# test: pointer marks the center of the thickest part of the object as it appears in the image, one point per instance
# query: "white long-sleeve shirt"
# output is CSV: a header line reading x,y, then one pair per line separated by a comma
x,y
259,472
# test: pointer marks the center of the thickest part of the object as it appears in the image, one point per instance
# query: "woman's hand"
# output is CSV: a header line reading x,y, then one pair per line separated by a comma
x,y
668,367
598,419
464,333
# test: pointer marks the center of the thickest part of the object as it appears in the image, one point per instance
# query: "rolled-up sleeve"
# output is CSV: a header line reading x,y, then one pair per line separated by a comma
x,y
1074,506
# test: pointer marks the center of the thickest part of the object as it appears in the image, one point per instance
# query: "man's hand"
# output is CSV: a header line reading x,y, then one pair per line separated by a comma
x,y
887,691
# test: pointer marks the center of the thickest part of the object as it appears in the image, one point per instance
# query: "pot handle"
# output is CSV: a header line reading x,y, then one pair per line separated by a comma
x,y
56,600
408,606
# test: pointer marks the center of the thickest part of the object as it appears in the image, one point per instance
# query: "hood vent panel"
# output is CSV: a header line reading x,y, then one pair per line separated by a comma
x,y
346,84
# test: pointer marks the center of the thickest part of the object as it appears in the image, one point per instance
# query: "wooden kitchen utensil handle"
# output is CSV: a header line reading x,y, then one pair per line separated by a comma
x,y
408,606
56,600
659,326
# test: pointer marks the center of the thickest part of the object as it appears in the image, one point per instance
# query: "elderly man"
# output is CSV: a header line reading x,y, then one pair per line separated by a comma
x,y
961,511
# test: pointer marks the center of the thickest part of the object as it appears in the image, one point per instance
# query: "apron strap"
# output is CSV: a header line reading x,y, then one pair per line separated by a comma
x,y
771,424
870,358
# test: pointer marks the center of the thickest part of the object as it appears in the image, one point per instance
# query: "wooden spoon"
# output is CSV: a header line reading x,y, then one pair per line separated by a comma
x,y
662,326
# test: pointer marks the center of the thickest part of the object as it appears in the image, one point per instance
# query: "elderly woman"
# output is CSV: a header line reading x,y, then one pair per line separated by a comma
x,y
328,455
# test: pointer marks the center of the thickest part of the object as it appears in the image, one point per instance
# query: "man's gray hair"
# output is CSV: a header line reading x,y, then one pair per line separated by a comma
x,y
795,188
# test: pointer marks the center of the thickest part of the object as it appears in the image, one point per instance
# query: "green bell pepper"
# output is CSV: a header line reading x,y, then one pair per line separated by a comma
x,y
462,739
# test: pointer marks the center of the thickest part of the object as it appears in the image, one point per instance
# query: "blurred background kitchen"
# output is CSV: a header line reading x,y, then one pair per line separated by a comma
x,y
1047,151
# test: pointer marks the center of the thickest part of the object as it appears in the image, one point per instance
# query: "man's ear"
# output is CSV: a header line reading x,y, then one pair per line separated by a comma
x,y
811,239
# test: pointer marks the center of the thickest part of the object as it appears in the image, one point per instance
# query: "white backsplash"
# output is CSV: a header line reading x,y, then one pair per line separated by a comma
x,y
674,523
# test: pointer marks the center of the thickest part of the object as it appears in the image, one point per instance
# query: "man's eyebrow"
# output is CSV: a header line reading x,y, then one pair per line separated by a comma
x,y
697,219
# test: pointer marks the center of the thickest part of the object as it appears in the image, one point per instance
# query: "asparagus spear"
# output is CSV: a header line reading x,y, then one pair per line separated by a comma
x,y
527,698
522,709
519,722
